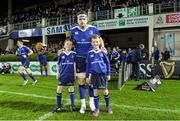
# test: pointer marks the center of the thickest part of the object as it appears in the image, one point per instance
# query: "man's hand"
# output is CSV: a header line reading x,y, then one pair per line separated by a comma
x,y
104,49
108,78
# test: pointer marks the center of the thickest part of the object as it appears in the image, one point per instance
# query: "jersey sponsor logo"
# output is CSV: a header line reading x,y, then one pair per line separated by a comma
x,y
94,62
67,63
83,42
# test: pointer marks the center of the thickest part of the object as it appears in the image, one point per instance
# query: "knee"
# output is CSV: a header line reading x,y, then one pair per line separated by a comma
x,y
71,89
59,90
81,81
106,92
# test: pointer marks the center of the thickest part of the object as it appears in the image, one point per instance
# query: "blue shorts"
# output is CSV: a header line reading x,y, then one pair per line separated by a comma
x,y
80,64
43,63
99,81
26,64
66,82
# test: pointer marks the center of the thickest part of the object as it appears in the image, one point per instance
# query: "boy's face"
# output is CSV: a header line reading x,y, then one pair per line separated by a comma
x,y
68,45
19,43
95,43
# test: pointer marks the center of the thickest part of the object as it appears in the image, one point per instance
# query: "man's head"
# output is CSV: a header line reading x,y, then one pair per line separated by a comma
x,y
19,43
82,19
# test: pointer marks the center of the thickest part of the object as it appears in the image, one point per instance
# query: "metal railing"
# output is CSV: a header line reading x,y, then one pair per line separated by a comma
x,y
99,15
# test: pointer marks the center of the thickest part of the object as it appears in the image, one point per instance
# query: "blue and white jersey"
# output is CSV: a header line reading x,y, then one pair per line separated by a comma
x,y
23,53
115,54
42,55
82,39
66,61
97,62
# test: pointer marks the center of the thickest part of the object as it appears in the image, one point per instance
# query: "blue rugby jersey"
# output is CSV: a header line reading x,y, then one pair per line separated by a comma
x,y
23,53
41,55
82,39
115,54
66,61
97,62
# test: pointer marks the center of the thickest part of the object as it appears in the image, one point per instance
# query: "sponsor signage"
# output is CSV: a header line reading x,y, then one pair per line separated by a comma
x,y
127,12
34,67
28,33
164,69
61,29
173,18
122,23
167,20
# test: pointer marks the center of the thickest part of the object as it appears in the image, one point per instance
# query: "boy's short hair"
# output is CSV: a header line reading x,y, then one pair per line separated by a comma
x,y
68,39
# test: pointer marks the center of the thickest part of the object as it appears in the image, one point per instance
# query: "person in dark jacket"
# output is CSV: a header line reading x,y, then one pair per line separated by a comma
x,y
134,57
165,54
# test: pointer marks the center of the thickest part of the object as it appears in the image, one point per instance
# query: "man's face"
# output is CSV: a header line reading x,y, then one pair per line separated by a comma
x,y
82,20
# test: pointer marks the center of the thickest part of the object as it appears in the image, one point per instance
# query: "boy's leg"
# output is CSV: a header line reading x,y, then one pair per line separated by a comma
x,y
71,93
46,69
59,98
91,97
20,71
96,102
107,100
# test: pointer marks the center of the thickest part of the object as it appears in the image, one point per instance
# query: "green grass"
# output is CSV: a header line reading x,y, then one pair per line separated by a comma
x,y
29,102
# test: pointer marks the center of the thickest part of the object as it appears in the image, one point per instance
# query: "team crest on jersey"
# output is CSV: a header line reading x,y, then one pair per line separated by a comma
x,y
91,32
76,33
91,56
101,55
72,56
62,57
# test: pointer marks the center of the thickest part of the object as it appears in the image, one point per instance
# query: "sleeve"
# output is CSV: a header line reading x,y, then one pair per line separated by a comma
x,y
106,60
87,66
97,32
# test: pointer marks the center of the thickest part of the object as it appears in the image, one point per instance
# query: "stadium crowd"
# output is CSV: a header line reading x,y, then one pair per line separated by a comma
x,y
52,10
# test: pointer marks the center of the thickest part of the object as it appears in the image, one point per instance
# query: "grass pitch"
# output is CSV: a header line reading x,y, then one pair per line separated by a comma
x,y
36,102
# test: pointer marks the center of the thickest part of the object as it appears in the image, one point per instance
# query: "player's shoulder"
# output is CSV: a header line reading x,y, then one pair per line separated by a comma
x,y
73,52
91,26
95,51
74,28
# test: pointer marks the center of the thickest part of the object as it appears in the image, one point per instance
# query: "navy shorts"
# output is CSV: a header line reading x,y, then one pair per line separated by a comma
x,y
66,82
80,64
26,64
43,63
99,81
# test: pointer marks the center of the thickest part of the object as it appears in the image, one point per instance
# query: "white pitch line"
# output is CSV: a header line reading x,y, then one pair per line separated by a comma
x,y
44,116
113,104
47,115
